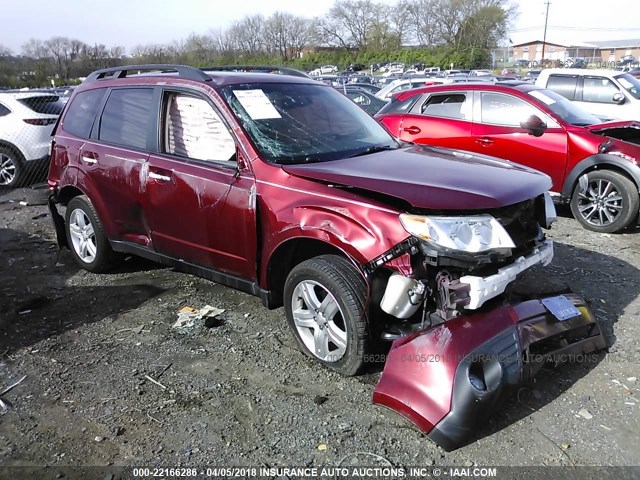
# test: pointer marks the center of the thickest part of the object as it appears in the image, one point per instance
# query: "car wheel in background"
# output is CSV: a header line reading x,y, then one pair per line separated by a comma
x,y
608,204
325,304
88,244
10,168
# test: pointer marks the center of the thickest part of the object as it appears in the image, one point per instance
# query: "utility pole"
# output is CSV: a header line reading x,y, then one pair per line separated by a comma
x,y
544,36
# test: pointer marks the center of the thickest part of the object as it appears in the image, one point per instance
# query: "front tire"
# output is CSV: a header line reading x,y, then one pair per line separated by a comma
x,y
88,244
325,304
609,204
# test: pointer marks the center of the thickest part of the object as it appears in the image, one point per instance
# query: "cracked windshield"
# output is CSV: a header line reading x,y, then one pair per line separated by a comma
x,y
291,123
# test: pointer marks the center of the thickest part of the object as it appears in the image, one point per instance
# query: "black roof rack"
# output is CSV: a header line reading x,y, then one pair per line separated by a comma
x,y
256,69
184,71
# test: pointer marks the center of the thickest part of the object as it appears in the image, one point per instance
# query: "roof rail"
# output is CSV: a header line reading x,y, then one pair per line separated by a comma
x,y
257,69
184,71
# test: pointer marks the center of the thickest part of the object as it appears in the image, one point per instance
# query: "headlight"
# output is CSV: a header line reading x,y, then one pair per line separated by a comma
x,y
473,234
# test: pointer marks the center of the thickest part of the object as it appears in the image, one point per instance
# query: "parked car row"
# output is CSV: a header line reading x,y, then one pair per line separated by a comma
x,y
279,186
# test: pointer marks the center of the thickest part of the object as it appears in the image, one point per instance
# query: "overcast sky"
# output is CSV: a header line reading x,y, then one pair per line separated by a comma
x,y
133,22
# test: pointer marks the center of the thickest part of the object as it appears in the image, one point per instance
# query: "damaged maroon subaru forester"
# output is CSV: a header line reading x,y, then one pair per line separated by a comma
x,y
279,186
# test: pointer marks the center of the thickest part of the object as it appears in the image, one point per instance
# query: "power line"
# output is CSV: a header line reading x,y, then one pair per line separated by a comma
x,y
590,29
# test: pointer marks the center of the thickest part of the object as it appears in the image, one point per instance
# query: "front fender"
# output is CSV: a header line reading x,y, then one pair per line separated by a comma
x,y
600,160
360,237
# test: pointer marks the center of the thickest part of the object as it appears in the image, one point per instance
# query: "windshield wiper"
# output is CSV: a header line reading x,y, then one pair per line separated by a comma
x,y
374,149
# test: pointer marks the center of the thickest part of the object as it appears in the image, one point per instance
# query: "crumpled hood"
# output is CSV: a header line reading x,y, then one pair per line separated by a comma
x,y
432,177
602,128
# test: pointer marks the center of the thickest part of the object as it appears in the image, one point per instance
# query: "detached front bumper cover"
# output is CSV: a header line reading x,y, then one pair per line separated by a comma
x,y
444,379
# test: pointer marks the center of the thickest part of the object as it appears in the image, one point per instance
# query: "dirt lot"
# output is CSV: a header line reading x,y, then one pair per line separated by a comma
x,y
239,393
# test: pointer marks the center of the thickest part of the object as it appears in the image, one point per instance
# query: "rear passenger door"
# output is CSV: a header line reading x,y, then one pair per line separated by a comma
x,y
113,162
200,199
442,119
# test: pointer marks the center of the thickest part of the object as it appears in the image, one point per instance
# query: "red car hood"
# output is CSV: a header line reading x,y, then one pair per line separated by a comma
x,y
432,178
602,128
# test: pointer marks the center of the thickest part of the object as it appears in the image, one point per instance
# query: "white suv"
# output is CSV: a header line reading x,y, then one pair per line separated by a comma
x,y
608,94
26,123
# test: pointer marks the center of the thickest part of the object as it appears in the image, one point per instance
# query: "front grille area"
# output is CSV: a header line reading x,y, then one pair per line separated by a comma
x,y
521,222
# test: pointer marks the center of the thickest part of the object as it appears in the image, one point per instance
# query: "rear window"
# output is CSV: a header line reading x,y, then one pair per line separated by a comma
x,y
81,113
48,104
565,85
126,117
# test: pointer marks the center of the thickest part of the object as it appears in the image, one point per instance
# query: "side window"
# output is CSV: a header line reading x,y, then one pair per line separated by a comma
x,y
598,89
498,109
564,85
126,117
359,98
400,88
81,113
399,106
193,129
448,105
4,110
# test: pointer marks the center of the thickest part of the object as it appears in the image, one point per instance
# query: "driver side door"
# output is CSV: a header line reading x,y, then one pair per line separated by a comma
x,y
200,191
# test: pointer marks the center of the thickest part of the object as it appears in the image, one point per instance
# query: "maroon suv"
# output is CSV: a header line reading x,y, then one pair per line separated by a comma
x,y
593,165
283,188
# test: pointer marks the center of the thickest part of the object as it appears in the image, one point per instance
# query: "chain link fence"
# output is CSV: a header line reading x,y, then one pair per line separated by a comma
x,y
27,119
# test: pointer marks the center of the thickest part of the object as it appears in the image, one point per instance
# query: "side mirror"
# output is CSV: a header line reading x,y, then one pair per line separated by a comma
x,y
618,98
534,125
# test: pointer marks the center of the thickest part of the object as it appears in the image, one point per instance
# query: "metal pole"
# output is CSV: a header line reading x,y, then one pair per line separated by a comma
x,y
544,36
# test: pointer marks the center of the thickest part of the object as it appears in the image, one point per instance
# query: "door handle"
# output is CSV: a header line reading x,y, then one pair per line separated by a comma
x,y
89,160
413,130
157,176
485,141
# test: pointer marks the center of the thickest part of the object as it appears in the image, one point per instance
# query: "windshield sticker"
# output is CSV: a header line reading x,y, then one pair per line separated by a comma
x,y
257,104
542,97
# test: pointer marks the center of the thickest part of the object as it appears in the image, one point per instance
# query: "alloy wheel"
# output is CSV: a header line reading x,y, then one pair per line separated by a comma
x,y
83,236
7,169
601,203
319,321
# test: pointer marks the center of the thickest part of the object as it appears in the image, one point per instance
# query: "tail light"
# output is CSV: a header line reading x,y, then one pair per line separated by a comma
x,y
40,121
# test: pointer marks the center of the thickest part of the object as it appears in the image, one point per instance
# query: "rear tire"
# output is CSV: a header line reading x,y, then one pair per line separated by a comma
x,y
610,203
88,244
11,168
326,308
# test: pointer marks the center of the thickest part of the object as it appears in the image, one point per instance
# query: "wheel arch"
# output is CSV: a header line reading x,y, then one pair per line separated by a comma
x,y
292,252
600,162
66,193
13,148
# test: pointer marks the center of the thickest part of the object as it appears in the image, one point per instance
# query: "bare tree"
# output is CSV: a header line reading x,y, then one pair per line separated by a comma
x,y
478,23
352,23
247,35
286,35
64,52
223,42
38,63
420,20
152,53
201,49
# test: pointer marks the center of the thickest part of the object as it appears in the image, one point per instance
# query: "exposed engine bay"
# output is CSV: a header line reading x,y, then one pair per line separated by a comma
x,y
445,282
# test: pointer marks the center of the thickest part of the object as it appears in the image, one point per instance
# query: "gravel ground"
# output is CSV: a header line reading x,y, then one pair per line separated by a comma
x,y
240,393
